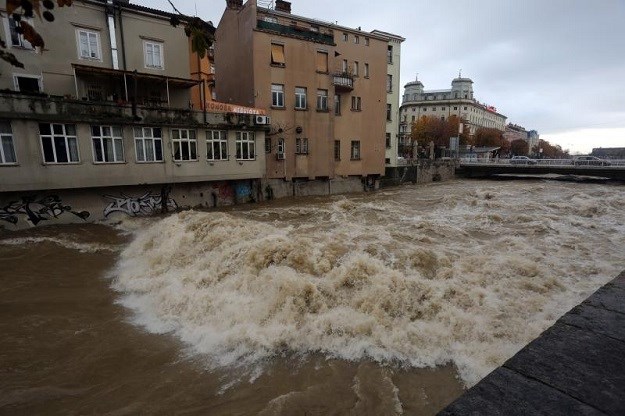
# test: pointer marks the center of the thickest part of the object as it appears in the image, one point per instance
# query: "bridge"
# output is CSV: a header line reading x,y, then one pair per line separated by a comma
x,y
476,168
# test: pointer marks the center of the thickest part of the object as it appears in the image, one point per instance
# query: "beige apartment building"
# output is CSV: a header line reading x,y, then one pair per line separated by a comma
x,y
393,62
323,86
108,120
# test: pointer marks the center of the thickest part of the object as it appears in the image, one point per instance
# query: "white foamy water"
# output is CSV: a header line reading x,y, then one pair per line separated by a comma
x,y
62,242
463,272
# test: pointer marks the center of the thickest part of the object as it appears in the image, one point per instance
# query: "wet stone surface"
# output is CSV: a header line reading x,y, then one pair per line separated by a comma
x,y
575,367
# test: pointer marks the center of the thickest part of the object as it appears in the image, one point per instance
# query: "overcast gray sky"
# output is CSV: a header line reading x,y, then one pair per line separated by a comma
x,y
556,66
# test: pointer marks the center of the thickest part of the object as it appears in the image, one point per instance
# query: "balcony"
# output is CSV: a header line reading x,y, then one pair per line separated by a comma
x,y
343,82
295,32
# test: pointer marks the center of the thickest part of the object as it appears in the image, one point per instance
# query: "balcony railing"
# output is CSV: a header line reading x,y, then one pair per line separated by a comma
x,y
296,31
343,81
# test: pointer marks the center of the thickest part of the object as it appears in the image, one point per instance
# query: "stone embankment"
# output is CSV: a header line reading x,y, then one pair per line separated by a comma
x,y
576,367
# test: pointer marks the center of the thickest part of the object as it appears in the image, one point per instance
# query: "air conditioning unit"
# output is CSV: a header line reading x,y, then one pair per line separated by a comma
x,y
261,120
280,156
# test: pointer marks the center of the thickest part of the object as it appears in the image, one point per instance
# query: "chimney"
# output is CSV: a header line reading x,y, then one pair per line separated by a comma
x,y
234,4
283,6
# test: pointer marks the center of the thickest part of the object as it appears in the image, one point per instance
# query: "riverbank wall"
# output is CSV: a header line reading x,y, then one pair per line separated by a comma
x,y
418,172
26,209
575,367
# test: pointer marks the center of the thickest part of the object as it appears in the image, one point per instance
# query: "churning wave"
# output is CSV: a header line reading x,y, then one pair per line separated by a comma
x,y
467,275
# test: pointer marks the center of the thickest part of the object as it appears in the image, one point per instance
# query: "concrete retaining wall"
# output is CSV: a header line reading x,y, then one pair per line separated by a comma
x,y
421,171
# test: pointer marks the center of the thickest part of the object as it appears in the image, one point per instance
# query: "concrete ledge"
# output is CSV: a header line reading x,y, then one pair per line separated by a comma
x,y
575,367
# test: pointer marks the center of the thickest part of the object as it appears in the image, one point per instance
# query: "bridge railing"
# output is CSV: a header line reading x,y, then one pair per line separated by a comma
x,y
539,162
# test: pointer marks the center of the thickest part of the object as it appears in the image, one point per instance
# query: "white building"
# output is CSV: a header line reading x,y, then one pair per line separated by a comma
x,y
458,101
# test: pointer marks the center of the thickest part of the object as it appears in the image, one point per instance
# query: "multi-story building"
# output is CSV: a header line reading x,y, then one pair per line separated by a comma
x,y
104,119
323,86
457,101
393,57
514,132
533,139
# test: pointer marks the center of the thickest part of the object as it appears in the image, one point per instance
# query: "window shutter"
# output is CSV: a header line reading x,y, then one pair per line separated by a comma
x,y
277,54
322,62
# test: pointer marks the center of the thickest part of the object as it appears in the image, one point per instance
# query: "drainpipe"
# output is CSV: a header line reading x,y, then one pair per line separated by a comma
x,y
121,33
110,15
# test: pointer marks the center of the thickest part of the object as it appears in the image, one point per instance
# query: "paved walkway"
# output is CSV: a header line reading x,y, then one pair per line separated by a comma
x,y
576,367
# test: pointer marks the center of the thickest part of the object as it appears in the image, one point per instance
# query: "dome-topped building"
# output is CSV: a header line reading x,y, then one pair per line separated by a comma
x,y
457,101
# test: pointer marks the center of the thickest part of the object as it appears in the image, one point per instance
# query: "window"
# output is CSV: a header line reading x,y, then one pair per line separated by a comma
x,y
389,54
153,55
388,140
277,54
322,100
345,37
322,62
389,83
337,150
389,110
17,38
281,147
455,108
27,83
216,145
184,144
355,154
344,67
425,109
301,146
465,108
246,145
366,70
59,143
443,108
355,68
433,108
337,105
356,39
88,44
7,148
356,104
277,95
300,98
149,144
108,145
366,41
267,144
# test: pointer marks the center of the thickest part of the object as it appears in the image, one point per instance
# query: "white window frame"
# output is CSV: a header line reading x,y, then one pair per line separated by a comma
x,y
300,98
16,84
277,95
180,137
245,145
65,138
152,44
7,137
144,136
216,145
90,52
23,43
281,148
322,100
111,134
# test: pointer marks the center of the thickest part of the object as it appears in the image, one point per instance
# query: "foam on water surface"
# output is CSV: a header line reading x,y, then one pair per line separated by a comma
x,y
417,277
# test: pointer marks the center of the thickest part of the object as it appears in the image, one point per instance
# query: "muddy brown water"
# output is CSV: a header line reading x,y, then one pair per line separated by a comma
x,y
73,343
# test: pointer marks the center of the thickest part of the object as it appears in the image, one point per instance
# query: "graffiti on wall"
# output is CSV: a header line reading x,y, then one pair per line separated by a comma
x,y
36,209
147,204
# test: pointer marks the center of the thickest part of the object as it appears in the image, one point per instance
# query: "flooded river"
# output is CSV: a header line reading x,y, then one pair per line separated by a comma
x,y
389,303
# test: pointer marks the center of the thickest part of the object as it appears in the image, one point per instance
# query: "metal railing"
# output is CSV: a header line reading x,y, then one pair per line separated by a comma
x,y
544,162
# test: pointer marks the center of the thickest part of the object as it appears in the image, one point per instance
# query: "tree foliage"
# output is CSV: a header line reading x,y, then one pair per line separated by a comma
x,y
432,129
201,33
519,147
550,151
